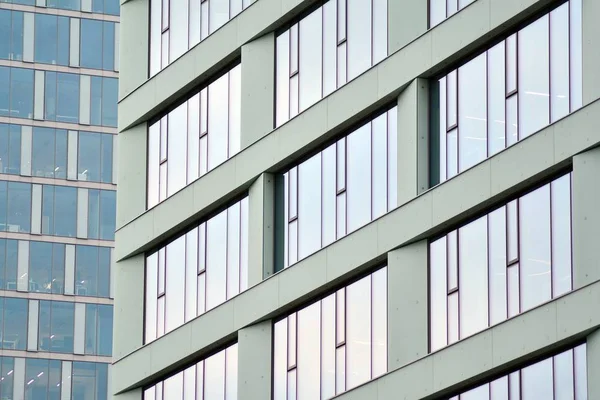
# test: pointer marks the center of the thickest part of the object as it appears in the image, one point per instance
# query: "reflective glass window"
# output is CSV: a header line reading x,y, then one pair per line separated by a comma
x,y
214,378
547,379
90,381
341,336
49,153
13,323
51,35
197,271
64,4
15,204
21,93
67,97
11,30
95,157
56,326
509,261
329,47
98,329
509,92
7,364
109,101
92,271
59,210
194,138
169,39
10,149
91,43
101,214
42,379
8,264
339,190
46,267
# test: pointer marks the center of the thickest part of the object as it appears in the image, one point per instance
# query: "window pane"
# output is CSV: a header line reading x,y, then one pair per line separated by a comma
x,y
174,283
559,62
536,381
309,206
358,333
107,214
308,363
96,100
15,324
561,236
86,271
497,267
21,93
216,260
91,328
310,59
46,46
359,37
108,46
359,177
67,109
91,42
533,69
62,327
65,211
105,327
40,267
89,157
5,32
109,101
19,207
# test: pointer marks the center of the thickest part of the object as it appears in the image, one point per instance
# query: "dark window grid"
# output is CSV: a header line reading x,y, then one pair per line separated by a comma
x,y
514,265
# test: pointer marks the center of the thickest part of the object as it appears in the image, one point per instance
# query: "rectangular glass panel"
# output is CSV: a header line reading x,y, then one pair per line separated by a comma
x,y
473,280
309,206
201,307
359,177
342,68
174,284
511,64
452,153
561,236
534,79
359,35
341,20
499,389
576,67
309,358
163,184
193,138
329,194
291,384
294,96
216,260
218,121
379,172
496,123
340,316
534,241
563,376
328,346
451,99
453,324
452,243
292,341
233,250
451,7
437,12
358,333
497,265
160,318
559,62
580,368
512,231
472,112
282,78
294,49
214,377
537,381
392,158
514,385
311,59
341,215
329,47
438,294
341,164
191,271
513,290
293,242
340,369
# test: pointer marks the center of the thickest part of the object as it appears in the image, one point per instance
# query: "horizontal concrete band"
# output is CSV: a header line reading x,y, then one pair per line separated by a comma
x,y
467,31
55,356
538,333
496,180
203,61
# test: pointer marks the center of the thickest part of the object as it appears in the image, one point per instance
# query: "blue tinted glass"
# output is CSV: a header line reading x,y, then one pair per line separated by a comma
x,y
86,270
62,327
4,161
2,265
7,364
15,326
105,326
21,93
108,207
24,2
10,268
43,145
14,150
63,41
19,207
101,381
36,374
108,46
89,381
106,156
50,96
17,36
60,159
98,6
58,268
111,7
3,205
46,48
48,210
40,267
91,316
65,214
64,4
93,214
103,272
67,109
91,44
54,379
110,88
5,91
96,101
89,157
44,325
5,34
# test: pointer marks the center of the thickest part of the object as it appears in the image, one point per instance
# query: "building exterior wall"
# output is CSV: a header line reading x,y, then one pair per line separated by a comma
x,y
378,211
59,64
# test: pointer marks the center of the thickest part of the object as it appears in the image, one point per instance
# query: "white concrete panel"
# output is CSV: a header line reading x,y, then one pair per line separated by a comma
x,y
82,213
19,379
79,337
67,371
38,95
72,155
74,42
23,266
255,361
115,169
260,229
69,269
32,325
26,142
85,82
36,209
86,5
28,36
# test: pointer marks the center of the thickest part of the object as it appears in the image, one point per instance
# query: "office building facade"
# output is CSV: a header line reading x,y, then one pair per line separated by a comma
x,y
59,65
358,199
